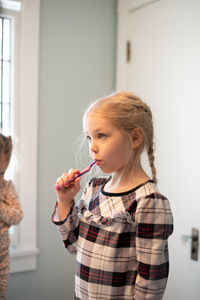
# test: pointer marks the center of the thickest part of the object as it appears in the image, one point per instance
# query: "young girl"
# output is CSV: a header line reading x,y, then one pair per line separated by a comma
x,y
10,212
120,227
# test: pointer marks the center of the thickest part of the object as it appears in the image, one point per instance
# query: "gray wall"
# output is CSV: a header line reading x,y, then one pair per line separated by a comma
x,y
77,65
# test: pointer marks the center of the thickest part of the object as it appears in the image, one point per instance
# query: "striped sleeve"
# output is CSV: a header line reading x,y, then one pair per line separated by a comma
x,y
154,224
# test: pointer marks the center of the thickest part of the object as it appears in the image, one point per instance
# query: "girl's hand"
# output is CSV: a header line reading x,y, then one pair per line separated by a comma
x,y
67,190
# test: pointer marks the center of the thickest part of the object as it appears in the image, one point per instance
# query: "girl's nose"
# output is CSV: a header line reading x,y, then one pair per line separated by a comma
x,y
93,147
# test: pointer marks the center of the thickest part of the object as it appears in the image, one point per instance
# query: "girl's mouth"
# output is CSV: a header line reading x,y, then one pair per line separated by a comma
x,y
98,162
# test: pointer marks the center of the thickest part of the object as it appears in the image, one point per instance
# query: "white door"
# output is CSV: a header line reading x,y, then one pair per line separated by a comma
x,y
164,69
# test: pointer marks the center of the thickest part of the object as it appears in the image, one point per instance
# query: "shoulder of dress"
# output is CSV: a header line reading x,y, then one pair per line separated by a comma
x,y
155,195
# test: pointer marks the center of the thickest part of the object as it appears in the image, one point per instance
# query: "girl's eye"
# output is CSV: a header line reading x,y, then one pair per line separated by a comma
x,y
101,135
88,138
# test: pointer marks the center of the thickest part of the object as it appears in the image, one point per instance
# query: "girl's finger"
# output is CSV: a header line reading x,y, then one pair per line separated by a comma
x,y
77,183
71,174
61,182
65,177
76,173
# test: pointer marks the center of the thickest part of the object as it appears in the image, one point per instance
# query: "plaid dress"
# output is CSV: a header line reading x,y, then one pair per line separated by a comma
x,y
120,242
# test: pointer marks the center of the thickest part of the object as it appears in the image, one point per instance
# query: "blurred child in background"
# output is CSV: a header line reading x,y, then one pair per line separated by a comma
x,y
10,212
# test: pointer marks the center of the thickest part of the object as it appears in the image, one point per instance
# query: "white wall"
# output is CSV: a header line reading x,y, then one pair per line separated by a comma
x,y
77,64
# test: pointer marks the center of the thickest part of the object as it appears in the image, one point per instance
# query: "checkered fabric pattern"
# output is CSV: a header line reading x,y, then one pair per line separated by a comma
x,y
120,242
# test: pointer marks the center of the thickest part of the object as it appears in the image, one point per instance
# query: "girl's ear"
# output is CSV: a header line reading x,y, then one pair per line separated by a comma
x,y
137,137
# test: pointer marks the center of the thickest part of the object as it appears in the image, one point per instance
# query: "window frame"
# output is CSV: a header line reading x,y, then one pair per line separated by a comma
x,y
5,60
23,257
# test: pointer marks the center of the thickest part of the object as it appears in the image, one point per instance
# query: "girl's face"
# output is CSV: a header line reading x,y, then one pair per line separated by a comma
x,y
109,146
3,167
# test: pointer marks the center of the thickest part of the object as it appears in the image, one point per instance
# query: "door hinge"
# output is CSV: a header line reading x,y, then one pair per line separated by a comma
x,y
128,51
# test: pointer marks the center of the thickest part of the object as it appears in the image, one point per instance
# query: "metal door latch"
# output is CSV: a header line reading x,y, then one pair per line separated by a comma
x,y
195,244
193,240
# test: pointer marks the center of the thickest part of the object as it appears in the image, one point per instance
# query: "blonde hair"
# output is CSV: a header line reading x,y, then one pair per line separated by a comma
x,y
127,111
6,146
